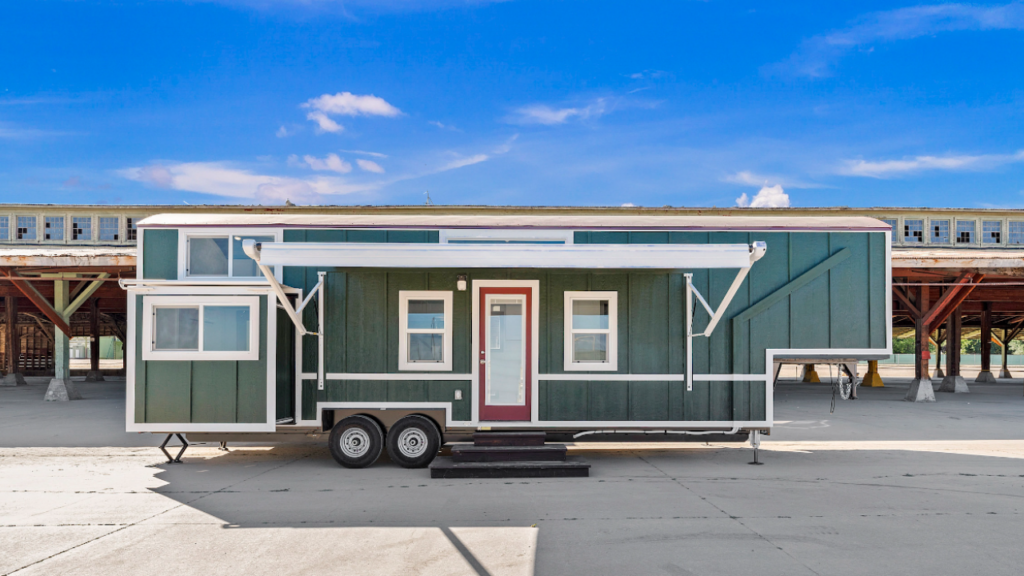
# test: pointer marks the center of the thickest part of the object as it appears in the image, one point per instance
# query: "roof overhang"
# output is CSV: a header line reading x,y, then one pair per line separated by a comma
x,y
586,256
67,256
958,258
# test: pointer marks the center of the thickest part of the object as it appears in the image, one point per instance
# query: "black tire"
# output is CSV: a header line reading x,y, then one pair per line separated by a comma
x,y
356,441
413,441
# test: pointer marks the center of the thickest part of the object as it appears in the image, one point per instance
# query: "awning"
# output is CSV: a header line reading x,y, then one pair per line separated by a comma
x,y
589,256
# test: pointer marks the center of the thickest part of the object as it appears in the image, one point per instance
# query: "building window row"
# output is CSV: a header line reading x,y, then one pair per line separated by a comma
x,y
965,232
54,229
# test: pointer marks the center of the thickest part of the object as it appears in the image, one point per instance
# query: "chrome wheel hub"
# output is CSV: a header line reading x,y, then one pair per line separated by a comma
x,y
355,442
412,442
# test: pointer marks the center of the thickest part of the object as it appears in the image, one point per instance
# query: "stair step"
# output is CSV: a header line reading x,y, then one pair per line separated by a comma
x,y
509,438
447,468
542,453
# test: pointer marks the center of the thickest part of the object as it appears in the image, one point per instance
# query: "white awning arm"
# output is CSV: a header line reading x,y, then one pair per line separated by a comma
x,y
757,250
252,250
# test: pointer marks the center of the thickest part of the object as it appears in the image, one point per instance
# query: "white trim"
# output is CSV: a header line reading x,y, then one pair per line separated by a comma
x,y
524,370
271,355
399,376
446,236
574,256
612,351
534,286
404,331
183,253
577,377
149,302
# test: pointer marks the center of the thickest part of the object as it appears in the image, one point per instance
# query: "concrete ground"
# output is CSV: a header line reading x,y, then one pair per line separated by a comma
x,y
881,486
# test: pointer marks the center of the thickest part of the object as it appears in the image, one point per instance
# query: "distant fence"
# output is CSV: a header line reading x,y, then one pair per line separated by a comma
x,y
965,360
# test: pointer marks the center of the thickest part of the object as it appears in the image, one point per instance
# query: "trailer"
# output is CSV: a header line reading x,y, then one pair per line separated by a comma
x,y
399,332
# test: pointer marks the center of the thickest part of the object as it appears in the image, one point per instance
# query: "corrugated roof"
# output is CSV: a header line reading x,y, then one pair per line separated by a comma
x,y
67,256
558,221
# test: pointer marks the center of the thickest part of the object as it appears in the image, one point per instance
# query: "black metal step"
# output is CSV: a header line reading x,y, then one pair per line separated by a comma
x,y
447,468
509,438
542,453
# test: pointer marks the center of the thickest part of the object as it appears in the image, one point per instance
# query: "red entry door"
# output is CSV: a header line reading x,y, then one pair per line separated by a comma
x,y
505,354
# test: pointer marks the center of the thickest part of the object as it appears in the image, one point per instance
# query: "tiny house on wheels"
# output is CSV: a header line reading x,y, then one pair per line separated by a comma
x,y
397,332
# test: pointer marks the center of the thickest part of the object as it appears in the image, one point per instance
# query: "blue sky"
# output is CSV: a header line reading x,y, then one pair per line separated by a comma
x,y
519,102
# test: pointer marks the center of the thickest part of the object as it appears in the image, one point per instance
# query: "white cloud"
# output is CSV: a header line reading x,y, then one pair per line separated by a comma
x,y
324,123
463,162
766,197
332,163
817,55
349,104
548,116
222,179
370,166
628,205
365,153
345,104
506,145
284,132
894,168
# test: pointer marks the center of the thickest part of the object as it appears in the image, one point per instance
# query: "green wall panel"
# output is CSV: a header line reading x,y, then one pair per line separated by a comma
x,y
567,400
608,401
444,391
214,392
252,378
159,254
168,392
648,400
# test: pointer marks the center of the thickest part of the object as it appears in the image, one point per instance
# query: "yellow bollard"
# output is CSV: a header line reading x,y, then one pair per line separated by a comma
x,y
810,375
872,379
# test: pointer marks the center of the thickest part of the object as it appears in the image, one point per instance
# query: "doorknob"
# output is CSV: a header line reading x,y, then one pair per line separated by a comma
x,y
482,361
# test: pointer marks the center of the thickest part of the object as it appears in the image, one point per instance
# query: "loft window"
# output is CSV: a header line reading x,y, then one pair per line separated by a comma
x,y
222,256
425,330
131,226
81,228
991,232
26,227
501,236
204,328
940,231
53,228
965,232
110,228
591,333
913,231
5,228
1015,233
894,223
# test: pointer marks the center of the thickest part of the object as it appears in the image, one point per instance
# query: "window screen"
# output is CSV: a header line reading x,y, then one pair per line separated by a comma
x,y
208,256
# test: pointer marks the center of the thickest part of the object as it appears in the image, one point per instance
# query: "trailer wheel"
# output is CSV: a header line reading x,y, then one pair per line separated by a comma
x,y
413,441
356,441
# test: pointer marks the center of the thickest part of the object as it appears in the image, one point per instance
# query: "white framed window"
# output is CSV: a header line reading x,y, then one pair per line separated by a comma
x,y
201,328
218,253
591,331
505,236
894,233
425,330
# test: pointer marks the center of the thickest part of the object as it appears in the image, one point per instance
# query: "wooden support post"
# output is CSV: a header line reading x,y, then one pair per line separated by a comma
x,y
1005,371
872,379
13,376
94,375
985,376
939,341
61,387
953,382
921,387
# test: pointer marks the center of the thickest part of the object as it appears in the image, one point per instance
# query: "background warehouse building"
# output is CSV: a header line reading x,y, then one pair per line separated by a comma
x,y
956,273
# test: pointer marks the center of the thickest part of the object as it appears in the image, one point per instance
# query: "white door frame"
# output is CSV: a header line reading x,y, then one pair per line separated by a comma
x,y
534,286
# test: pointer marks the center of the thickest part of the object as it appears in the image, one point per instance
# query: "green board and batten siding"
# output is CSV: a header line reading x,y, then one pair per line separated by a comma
x,y
159,254
808,301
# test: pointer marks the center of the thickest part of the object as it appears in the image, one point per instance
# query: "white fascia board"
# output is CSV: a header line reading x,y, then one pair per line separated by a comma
x,y
589,256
